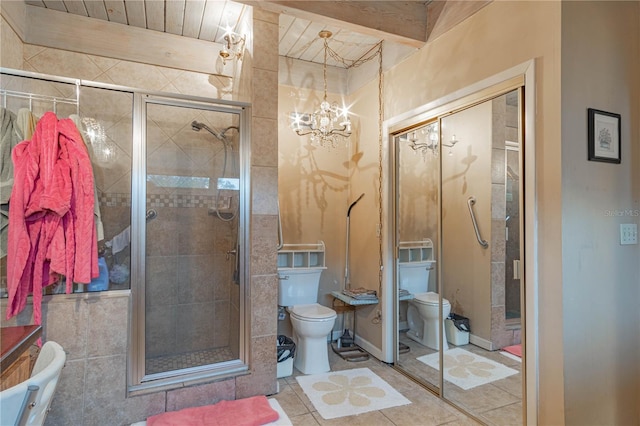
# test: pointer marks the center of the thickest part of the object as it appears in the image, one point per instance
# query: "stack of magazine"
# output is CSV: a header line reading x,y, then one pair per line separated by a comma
x,y
360,293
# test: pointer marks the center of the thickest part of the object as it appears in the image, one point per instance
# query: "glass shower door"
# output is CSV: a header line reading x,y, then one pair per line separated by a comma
x,y
191,286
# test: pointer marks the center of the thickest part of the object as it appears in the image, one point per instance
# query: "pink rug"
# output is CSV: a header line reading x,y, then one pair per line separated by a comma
x,y
515,350
253,411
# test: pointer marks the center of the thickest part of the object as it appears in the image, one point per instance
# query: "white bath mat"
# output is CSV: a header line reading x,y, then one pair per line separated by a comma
x,y
283,420
349,392
466,369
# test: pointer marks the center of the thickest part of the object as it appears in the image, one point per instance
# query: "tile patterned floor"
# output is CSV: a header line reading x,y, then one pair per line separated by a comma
x,y
186,360
425,409
495,403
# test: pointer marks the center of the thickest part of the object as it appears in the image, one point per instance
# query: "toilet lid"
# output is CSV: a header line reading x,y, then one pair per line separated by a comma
x,y
429,298
314,311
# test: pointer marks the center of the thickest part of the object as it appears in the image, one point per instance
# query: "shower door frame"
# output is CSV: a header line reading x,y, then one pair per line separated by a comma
x,y
520,77
137,381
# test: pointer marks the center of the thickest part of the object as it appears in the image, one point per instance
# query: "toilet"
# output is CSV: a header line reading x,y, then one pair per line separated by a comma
x,y
310,321
414,265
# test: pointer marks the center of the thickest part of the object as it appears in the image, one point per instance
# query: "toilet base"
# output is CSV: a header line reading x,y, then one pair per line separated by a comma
x,y
430,342
312,356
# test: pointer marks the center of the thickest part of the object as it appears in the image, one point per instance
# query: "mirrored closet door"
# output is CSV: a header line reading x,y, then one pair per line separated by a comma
x,y
458,247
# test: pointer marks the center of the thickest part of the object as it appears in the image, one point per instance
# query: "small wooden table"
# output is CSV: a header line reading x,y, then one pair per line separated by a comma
x,y
353,352
15,343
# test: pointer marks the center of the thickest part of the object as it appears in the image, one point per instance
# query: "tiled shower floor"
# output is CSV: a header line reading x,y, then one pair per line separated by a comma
x,y
191,359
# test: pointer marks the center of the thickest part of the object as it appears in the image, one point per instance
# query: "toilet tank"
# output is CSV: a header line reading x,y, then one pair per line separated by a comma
x,y
414,276
299,270
415,262
298,286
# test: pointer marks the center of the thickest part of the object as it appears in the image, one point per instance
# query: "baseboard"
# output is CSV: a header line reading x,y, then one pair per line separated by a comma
x,y
480,342
369,347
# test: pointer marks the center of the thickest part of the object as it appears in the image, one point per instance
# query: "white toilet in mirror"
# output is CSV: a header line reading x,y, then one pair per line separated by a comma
x,y
311,322
414,266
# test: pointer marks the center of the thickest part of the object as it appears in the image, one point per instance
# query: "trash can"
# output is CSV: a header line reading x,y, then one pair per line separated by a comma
x,y
286,352
457,329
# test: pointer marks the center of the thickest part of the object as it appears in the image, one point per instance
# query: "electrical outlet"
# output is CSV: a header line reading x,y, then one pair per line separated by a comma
x,y
628,233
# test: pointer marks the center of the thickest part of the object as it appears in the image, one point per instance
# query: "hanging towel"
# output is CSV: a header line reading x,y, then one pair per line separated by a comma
x,y
10,136
27,122
97,216
253,411
51,231
120,241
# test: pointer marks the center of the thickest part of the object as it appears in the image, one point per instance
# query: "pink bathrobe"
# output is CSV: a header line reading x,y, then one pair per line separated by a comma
x,y
51,230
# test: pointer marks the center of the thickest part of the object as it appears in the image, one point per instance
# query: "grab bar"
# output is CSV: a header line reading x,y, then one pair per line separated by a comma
x,y
280,240
470,202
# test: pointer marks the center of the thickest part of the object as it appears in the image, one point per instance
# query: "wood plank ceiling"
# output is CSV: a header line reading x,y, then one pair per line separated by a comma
x,y
209,19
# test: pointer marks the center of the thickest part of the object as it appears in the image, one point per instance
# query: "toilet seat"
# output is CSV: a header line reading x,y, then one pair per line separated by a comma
x,y
430,298
314,312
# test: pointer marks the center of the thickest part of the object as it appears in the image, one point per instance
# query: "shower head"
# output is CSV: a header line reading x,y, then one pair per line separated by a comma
x,y
197,126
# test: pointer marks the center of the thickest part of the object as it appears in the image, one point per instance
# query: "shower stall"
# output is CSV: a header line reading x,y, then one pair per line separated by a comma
x,y
172,186
192,265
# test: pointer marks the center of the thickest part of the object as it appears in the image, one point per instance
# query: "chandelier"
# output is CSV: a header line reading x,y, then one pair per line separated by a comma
x,y
427,139
329,123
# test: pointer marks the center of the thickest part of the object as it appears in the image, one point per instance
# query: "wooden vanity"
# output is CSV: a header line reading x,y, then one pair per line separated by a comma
x,y
16,343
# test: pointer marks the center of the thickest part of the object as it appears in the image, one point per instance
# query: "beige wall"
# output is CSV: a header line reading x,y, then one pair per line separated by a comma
x,y
313,188
600,279
364,245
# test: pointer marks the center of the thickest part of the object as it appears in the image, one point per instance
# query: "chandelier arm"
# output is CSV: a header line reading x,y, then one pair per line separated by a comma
x,y
301,132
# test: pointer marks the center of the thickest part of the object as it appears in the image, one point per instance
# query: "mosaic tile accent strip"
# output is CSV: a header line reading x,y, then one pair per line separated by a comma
x,y
115,200
160,200
162,364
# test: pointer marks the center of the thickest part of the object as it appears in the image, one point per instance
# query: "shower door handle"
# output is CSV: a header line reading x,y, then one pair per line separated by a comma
x,y
470,202
231,252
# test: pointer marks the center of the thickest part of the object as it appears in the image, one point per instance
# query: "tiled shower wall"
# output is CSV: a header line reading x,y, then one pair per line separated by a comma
x,y
188,270
505,128
93,328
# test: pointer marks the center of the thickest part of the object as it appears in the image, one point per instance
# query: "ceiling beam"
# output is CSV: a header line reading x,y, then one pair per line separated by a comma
x,y
59,30
403,22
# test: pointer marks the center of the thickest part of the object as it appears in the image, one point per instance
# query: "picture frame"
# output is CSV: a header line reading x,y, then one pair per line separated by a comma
x,y
604,136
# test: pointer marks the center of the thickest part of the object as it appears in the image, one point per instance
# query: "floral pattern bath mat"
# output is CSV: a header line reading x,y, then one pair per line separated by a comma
x,y
349,392
466,369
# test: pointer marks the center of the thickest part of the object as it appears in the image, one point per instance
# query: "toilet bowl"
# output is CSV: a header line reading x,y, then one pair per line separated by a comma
x,y
423,319
299,270
311,325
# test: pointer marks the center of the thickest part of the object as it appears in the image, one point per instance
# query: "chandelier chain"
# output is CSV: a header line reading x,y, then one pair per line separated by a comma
x,y
324,68
380,149
368,56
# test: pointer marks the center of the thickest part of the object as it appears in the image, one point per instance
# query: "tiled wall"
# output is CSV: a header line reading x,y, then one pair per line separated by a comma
x,y
262,301
188,273
505,128
93,328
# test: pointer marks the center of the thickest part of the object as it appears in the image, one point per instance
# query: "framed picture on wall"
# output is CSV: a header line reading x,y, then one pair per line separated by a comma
x,y
604,136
